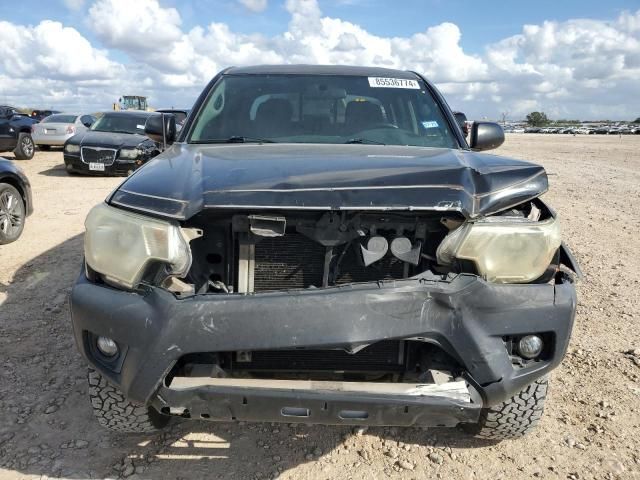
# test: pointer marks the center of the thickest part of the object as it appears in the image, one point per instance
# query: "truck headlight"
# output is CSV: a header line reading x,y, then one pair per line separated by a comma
x,y
71,148
504,250
129,153
119,245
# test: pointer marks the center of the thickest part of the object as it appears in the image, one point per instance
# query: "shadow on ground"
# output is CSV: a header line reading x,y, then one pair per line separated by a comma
x,y
47,427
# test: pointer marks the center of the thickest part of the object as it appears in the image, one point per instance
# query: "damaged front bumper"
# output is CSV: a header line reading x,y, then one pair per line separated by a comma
x,y
328,403
465,316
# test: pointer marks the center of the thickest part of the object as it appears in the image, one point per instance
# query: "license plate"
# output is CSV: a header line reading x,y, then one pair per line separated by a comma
x,y
96,166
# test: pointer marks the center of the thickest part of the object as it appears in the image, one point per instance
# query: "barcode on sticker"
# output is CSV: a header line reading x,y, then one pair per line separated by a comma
x,y
383,82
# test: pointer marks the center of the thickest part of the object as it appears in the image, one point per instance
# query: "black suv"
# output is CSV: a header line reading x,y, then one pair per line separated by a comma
x,y
15,133
320,244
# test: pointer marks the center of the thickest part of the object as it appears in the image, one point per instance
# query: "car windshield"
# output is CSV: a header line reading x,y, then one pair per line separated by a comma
x,y
120,123
322,109
60,119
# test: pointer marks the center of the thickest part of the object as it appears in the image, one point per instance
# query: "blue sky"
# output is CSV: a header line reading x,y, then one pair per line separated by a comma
x,y
482,56
480,24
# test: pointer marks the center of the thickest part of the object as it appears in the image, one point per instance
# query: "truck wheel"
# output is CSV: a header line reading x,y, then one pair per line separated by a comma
x,y
515,417
117,413
12,213
25,148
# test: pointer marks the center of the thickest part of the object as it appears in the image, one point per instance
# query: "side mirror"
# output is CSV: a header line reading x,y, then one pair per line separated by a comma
x,y
486,136
161,128
461,118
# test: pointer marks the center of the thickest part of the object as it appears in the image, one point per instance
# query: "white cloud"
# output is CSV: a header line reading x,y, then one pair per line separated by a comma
x,y
135,26
254,5
574,68
579,66
51,50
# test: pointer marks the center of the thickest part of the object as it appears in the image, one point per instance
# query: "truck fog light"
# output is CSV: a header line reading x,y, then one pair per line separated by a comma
x,y
107,346
530,346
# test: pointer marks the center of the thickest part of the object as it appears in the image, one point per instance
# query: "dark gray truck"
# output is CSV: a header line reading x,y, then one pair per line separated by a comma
x,y
15,133
320,244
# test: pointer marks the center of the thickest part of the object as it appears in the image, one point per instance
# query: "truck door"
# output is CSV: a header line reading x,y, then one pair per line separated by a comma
x,y
7,139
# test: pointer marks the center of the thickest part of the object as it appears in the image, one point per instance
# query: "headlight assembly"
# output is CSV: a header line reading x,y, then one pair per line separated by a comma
x,y
504,250
71,148
119,245
129,153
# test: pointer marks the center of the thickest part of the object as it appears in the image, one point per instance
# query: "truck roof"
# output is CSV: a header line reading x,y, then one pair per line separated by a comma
x,y
321,70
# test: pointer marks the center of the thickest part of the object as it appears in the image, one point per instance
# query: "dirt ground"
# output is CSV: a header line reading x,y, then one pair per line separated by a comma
x,y
591,428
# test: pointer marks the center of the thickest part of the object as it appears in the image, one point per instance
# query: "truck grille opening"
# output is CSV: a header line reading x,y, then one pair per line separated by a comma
x,y
295,261
383,361
288,262
275,251
385,355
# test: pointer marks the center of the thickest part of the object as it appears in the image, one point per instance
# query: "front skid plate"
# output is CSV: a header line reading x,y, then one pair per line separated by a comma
x,y
221,402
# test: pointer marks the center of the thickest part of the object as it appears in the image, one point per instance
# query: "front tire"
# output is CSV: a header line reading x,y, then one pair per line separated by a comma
x,y
116,413
25,148
12,214
515,417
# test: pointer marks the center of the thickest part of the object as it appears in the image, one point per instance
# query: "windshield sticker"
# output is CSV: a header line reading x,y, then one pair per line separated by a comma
x,y
141,127
431,124
382,82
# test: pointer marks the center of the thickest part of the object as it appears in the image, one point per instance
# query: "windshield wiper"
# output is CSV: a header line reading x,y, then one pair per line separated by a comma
x,y
237,139
364,140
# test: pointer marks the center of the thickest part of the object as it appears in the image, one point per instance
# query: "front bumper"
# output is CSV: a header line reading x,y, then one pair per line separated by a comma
x,y
467,317
74,164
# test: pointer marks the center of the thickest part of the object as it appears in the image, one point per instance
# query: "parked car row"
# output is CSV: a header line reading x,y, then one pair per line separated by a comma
x,y
600,130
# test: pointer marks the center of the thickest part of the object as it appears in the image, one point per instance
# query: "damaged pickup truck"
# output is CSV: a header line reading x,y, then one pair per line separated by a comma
x,y
321,245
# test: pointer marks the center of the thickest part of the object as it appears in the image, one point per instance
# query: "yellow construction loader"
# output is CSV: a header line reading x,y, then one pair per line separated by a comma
x,y
132,102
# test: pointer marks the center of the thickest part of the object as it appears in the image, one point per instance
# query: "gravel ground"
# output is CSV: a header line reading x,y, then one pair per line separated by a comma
x,y
590,429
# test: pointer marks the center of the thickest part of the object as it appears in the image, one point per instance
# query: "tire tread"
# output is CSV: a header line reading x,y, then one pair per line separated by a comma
x,y
116,413
515,417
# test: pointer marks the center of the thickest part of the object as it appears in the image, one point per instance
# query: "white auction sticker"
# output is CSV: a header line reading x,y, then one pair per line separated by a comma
x,y
383,82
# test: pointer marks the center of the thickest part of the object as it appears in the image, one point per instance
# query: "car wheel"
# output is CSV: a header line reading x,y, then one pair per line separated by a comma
x,y
44,148
515,417
116,413
25,148
12,213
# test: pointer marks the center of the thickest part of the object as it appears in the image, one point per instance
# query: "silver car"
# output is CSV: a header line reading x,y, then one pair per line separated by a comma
x,y
56,129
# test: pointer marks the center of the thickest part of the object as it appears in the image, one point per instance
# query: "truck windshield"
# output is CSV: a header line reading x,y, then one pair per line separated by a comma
x,y
321,109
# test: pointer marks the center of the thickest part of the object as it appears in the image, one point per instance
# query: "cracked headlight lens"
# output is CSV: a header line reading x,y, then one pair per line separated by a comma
x,y
129,153
119,245
503,250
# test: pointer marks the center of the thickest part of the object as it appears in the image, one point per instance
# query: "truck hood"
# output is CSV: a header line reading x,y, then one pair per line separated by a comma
x,y
188,178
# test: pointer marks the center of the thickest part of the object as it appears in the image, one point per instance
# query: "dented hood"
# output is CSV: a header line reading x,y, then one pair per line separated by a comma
x,y
189,178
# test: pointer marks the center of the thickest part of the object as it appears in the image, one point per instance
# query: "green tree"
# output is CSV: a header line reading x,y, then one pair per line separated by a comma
x,y
537,119
637,120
